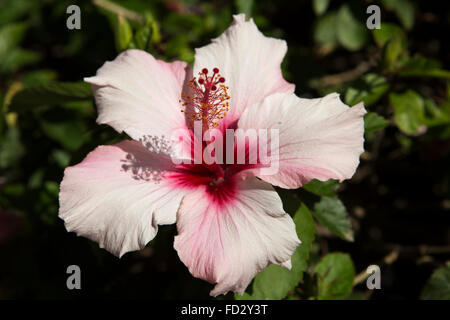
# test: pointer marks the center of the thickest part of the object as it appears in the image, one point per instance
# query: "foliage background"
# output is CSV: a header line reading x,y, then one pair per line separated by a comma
x,y
394,212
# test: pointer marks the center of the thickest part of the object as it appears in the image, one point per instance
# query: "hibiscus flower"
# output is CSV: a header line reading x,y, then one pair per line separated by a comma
x,y
230,220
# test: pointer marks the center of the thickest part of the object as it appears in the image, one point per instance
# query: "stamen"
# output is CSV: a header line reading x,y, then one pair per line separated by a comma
x,y
207,100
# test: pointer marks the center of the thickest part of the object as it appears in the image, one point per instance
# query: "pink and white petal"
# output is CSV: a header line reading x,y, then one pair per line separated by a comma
x,y
228,240
117,196
249,61
140,95
318,138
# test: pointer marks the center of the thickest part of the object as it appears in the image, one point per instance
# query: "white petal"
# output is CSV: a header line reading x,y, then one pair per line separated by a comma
x,y
117,196
140,95
229,241
318,138
249,61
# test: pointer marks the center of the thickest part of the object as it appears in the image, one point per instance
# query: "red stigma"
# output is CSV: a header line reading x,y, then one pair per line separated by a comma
x,y
207,100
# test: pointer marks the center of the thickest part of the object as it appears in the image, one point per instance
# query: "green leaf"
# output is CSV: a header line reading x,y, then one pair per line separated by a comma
x,y
244,6
438,286
325,30
18,58
387,32
322,188
374,122
335,274
2,113
372,87
274,282
61,157
404,10
147,34
320,6
10,36
123,33
404,141
11,149
409,112
50,93
142,37
331,212
38,77
419,66
11,56
16,8
395,55
35,180
393,40
438,115
70,134
351,33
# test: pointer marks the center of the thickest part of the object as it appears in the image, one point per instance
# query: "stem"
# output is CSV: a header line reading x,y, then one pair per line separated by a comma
x,y
119,10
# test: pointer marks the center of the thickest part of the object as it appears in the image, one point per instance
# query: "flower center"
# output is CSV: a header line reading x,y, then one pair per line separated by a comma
x,y
207,99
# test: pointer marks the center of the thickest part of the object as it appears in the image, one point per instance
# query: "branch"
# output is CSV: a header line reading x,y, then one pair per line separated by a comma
x,y
119,10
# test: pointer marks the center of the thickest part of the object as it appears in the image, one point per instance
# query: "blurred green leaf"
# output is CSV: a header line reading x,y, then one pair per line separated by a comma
x,y
320,6
409,112
38,77
146,34
68,132
387,32
322,188
438,286
395,55
2,112
50,93
179,48
35,180
335,276
404,10
404,141
393,40
142,37
244,6
351,33
374,122
61,157
18,58
369,90
150,20
52,188
13,189
325,30
10,36
123,33
11,148
16,8
438,115
274,282
419,66
331,212
11,56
